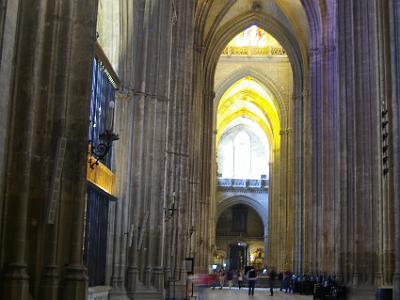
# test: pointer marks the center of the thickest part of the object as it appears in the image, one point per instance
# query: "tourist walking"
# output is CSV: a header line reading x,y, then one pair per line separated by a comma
x,y
251,279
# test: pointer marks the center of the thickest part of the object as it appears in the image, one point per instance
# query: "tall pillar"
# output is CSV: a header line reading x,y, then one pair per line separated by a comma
x,y
81,49
394,8
37,82
8,42
316,113
298,188
132,71
120,233
268,229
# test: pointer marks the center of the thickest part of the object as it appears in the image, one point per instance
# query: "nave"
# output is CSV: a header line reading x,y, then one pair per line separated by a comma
x,y
260,293
146,141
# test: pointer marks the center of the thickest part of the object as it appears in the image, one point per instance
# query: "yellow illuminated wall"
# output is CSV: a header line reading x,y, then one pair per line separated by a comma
x,y
247,98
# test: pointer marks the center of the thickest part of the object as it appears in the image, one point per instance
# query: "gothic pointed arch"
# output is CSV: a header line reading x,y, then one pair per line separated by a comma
x,y
268,23
245,200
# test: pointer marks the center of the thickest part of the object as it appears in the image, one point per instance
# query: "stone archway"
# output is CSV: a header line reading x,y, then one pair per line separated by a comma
x,y
262,212
287,167
261,79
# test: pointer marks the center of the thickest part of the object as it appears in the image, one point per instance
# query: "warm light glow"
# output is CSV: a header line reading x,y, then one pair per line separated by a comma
x,y
252,36
254,42
243,151
247,98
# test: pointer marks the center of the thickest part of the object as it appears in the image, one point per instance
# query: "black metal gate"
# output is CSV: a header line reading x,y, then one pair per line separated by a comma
x,y
96,228
96,236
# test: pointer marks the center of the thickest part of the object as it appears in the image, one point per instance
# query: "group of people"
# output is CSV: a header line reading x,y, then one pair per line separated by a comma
x,y
251,276
290,282
230,277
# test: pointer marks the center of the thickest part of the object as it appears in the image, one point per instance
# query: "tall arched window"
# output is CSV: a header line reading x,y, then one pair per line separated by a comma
x,y
242,156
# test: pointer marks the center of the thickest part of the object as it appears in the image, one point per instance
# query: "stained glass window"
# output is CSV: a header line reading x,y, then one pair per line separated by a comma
x,y
254,41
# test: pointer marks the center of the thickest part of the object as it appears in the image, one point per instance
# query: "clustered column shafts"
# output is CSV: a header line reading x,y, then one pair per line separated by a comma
x,y
48,98
157,79
331,208
346,75
394,104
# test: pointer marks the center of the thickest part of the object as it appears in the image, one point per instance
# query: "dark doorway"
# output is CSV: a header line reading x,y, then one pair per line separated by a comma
x,y
237,257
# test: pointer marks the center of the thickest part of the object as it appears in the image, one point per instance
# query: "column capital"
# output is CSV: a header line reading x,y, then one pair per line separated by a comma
x,y
122,95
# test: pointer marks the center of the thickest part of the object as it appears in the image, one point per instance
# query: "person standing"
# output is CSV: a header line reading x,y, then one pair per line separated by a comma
x,y
251,278
221,276
240,278
272,275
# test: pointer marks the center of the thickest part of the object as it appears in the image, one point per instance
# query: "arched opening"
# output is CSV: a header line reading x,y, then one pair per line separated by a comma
x,y
240,237
252,147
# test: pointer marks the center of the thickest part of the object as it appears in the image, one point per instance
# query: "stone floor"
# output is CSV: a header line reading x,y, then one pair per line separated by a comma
x,y
235,294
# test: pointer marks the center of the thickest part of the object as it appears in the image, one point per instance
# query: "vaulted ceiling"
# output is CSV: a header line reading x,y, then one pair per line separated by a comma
x,y
214,14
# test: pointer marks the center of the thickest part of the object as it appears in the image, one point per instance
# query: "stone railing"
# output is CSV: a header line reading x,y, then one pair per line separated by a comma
x,y
254,51
227,183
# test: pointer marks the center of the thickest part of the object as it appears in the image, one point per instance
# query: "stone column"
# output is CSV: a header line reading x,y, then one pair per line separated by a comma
x,y
347,135
282,201
132,78
37,80
16,279
298,189
80,52
315,206
275,219
7,45
120,231
394,8
267,230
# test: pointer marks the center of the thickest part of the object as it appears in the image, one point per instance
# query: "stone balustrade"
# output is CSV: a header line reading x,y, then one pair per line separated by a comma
x,y
228,183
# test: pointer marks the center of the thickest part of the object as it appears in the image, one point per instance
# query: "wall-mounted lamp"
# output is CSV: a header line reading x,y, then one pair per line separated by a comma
x,y
106,138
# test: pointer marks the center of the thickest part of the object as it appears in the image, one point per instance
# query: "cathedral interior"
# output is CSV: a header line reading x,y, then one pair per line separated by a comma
x,y
142,141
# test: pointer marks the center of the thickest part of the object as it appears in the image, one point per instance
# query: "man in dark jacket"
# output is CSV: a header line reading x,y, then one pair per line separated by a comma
x,y
272,275
251,278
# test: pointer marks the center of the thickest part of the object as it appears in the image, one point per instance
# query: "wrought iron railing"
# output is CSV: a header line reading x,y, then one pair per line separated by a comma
x,y
99,176
96,236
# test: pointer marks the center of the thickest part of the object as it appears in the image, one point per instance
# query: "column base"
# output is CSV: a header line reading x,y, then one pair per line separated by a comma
x,y
49,285
159,278
378,280
118,291
75,283
132,279
176,290
148,273
16,282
